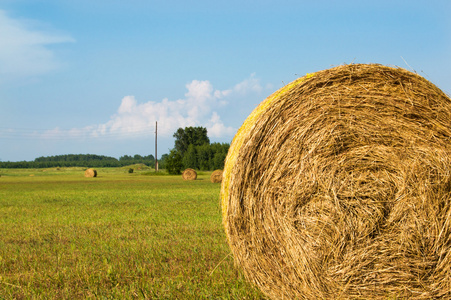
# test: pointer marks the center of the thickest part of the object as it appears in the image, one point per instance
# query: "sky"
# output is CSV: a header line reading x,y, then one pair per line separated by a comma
x,y
94,76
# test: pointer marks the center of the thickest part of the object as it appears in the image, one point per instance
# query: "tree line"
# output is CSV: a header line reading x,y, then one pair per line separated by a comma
x,y
81,160
192,149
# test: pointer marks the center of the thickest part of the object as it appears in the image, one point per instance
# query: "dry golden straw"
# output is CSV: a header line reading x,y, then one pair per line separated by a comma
x,y
189,174
90,173
338,186
216,176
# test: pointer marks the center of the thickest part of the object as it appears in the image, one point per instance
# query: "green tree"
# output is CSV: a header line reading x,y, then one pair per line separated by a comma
x,y
204,155
195,150
219,154
125,158
173,162
218,161
190,158
190,136
162,161
149,157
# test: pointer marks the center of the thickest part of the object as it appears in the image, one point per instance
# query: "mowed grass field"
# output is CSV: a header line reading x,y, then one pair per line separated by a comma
x,y
117,236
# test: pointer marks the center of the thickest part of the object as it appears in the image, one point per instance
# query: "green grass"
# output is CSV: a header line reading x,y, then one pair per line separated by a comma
x,y
117,236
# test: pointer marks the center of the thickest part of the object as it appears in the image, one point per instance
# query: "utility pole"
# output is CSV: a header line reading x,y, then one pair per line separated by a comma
x,y
156,141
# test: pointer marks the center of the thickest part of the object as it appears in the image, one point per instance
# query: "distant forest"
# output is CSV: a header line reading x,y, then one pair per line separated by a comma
x,y
82,160
192,149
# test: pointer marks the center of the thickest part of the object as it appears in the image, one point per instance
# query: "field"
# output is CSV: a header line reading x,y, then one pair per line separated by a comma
x,y
117,236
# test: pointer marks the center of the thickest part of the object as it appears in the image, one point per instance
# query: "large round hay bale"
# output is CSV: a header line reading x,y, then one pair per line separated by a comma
x,y
189,174
216,176
338,186
90,173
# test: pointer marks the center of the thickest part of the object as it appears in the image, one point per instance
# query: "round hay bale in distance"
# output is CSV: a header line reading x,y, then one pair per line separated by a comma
x,y
189,174
338,186
90,173
216,176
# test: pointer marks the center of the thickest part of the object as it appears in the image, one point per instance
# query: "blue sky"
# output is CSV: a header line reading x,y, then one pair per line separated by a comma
x,y
93,76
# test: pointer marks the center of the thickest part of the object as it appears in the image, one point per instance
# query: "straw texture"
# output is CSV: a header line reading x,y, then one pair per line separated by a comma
x,y
189,174
338,186
90,173
216,176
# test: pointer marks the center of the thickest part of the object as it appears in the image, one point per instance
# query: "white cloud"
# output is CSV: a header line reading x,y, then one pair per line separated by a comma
x,y
251,84
217,129
221,94
201,106
195,109
199,91
127,105
135,118
24,50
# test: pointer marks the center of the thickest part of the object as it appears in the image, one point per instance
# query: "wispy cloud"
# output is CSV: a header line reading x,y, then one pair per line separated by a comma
x,y
249,85
217,129
24,49
197,108
202,105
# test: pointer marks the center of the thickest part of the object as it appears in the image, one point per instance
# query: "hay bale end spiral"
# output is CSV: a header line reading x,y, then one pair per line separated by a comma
x,y
189,174
216,176
338,186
